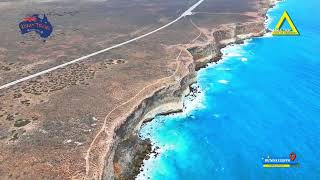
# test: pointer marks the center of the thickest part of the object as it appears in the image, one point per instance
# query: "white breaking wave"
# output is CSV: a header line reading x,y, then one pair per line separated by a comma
x,y
223,81
244,59
193,101
267,35
223,69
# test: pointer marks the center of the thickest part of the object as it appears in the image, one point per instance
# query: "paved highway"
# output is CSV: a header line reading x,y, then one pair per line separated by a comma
x,y
186,13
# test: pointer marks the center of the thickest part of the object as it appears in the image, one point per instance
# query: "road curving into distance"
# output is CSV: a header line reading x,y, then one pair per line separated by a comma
x,y
184,14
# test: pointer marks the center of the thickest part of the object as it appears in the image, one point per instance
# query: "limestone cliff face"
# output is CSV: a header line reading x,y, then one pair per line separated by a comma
x,y
222,36
131,151
128,151
202,55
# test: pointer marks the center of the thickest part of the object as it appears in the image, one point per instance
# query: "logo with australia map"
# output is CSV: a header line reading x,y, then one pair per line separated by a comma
x,y
35,23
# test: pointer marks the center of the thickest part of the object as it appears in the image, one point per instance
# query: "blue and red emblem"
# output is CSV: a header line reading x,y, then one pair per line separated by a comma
x,y
34,23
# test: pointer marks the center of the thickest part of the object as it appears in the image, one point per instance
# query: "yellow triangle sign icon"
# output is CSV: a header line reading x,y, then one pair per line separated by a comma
x,y
279,32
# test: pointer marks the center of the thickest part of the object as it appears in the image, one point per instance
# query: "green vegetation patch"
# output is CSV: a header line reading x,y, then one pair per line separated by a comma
x,y
21,122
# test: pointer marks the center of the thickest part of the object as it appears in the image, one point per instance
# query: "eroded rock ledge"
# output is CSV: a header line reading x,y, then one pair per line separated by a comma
x,y
126,156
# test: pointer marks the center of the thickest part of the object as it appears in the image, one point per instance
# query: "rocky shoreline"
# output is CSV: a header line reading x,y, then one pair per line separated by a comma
x,y
125,156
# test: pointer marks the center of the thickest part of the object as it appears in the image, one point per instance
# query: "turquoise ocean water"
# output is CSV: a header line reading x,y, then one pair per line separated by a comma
x,y
262,99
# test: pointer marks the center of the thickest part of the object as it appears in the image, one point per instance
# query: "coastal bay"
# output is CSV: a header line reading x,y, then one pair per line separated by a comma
x,y
259,101
80,121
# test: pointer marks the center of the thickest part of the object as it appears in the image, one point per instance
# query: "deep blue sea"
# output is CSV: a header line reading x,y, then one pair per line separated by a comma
x,y
262,99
